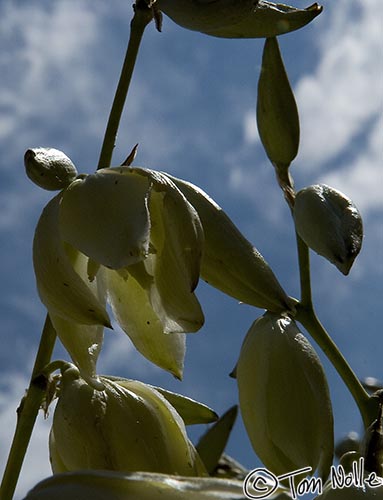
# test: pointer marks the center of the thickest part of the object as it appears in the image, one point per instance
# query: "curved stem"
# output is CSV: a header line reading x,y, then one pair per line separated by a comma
x,y
307,317
367,406
142,16
27,413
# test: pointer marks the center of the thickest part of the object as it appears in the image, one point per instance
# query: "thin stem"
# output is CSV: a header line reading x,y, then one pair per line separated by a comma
x,y
27,413
367,406
142,16
304,272
306,315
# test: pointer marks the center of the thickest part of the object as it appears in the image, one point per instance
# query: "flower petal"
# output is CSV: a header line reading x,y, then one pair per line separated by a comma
x,y
177,237
105,216
132,309
191,411
229,262
61,289
83,342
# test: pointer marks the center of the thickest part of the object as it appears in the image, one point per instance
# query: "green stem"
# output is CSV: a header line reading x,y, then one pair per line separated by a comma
x,y
142,16
304,272
27,413
306,315
368,407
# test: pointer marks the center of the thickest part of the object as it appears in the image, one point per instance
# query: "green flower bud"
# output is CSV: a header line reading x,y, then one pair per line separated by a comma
x,y
238,18
49,168
284,397
277,113
330,224
101,485
121,428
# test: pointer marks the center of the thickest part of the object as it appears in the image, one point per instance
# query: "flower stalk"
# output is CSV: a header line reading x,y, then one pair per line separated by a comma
x,y
142,17
307,317
27,412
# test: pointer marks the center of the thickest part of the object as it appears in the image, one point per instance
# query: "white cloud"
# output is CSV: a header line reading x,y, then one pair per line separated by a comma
x,y
44,65
362,179
344,92
250,129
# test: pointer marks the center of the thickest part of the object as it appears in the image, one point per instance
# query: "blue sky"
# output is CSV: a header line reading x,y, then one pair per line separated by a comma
x,y
192,110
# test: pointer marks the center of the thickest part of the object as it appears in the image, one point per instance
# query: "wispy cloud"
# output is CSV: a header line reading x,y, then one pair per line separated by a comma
x,y
43,49
344,92
362,177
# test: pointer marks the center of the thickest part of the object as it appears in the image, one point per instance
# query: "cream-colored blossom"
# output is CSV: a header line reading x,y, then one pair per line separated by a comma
x,y
143,241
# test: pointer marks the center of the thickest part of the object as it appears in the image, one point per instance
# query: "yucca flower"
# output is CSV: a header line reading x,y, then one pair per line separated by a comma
x,y
128,235
138,239
128,426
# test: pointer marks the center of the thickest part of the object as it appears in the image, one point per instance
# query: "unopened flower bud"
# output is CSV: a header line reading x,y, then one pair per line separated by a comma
x,y
284,397
121,428
330,224
277,113
49,168
238,18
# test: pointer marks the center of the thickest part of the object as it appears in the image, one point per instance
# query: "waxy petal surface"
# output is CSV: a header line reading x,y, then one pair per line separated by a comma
x,y
134,313
105,216
177,240
61,289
